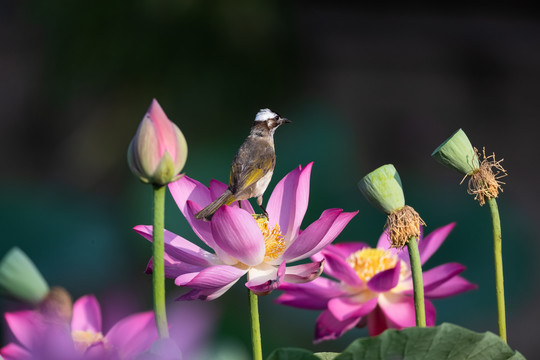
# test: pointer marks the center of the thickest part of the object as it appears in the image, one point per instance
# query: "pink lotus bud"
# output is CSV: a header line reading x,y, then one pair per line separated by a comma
x,y
158,152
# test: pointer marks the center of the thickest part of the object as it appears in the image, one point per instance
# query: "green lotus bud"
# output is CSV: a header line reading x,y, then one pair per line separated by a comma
x,y
20,278
457,153
382,187
158,151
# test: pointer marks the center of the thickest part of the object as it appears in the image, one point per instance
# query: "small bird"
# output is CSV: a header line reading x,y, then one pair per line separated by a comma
x,y
253,164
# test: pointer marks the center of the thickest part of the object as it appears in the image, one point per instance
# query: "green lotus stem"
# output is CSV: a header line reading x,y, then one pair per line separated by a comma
x,y
255,326
499,278
158,272
418,282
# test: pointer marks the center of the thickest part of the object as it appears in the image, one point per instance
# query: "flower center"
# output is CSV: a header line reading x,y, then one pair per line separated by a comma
x,y
274,245
368,262
84,339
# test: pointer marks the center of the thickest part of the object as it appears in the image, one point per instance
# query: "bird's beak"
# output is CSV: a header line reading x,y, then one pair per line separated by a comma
x,y
284,121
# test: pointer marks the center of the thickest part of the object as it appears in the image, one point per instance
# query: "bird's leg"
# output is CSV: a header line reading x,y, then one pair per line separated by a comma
x,y
259,202
239,204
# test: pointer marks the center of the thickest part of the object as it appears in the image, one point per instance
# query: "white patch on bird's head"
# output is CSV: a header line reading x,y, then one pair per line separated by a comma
x,y
265,114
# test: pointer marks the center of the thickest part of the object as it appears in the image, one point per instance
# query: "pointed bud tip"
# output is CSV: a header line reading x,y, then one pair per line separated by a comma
x,y
156,112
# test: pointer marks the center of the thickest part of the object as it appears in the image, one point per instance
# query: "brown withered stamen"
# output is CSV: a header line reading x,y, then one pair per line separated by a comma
x,y
57,306
403,224
484,182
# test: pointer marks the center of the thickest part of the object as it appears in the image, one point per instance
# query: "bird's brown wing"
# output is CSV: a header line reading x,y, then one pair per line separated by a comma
x,y
252,161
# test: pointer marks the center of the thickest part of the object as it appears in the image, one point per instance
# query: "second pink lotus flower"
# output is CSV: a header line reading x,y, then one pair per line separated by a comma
x,y
245,243
373,286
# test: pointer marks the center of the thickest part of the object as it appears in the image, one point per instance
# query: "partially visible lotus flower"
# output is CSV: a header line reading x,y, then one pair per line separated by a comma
x,y
158,152
246,243
40,338
374,286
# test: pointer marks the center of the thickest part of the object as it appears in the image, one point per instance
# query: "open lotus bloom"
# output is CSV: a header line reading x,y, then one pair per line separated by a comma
x,y
246,243
373,286
39,338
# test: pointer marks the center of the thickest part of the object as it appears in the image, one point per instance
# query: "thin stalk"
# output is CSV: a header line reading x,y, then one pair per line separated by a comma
x,y
499,278
158,271
255,326
418,282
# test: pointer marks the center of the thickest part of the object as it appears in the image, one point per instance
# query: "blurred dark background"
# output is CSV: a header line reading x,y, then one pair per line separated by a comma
x,y
364,86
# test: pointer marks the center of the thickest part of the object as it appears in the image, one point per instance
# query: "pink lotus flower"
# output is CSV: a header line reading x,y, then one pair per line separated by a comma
x,y
374,285
245,243
42,339
158,150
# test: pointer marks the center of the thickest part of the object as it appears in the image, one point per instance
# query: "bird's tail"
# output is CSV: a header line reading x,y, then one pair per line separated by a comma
x,y
226,198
